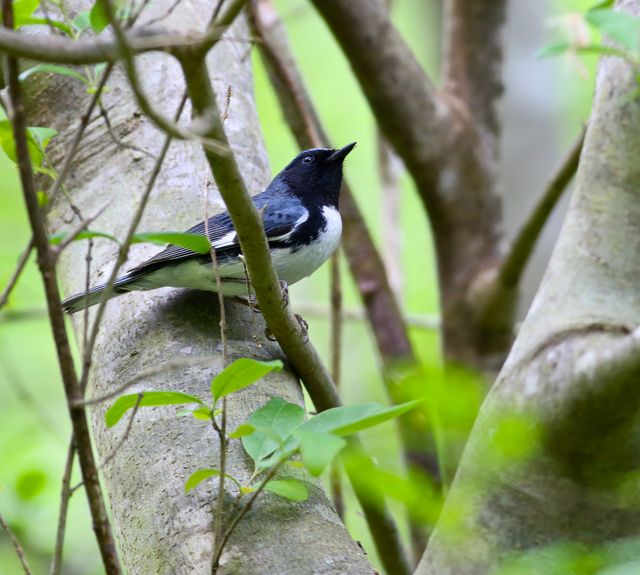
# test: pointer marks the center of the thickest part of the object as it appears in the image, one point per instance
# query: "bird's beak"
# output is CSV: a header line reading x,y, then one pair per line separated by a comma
x,y
342,153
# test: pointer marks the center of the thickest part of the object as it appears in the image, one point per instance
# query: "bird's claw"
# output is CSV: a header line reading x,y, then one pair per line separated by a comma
x,y
304,327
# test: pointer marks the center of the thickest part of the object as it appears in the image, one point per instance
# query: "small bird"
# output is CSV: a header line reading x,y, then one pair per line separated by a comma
x,y
301,221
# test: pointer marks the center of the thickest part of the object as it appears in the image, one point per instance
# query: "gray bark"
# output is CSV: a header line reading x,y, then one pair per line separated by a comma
x,y
568,379
159,528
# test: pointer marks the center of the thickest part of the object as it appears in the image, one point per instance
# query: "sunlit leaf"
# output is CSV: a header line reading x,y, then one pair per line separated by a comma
x,y
52,69
242,430
82,21
37,141
274,423
319,449
350,419
31,483
83,235
288,488
198,477
23,10
240,374
193,242
203,413
554,49
149,399
35,21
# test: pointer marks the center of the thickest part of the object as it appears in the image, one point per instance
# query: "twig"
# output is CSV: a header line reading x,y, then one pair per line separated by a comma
x,y
65,495
127,431
72,388
245,509
13,280
518,256
16,545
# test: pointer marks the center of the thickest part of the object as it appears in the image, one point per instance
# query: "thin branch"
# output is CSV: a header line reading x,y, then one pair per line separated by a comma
x,y
65,495
280,321
73,234
518,256
72,388
13,280
116,139
16,545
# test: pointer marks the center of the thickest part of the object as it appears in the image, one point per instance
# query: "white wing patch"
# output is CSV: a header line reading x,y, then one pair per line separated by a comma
x,y
301,220
229,239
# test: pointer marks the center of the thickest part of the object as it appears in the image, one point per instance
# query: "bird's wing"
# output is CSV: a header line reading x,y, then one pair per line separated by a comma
x,y
280,219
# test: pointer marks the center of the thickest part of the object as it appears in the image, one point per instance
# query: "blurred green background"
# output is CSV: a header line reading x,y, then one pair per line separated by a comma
x,y
545,102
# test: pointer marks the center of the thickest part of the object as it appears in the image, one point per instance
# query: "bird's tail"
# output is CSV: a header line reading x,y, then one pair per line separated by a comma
x,y
83,300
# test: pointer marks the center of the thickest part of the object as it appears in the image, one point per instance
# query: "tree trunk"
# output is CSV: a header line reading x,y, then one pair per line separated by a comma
x,y
553,457
160,529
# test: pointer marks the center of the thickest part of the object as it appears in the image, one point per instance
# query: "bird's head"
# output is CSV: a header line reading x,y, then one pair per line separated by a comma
x,y
316,174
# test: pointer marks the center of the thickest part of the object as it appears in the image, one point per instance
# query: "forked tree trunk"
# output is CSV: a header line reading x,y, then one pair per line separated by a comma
x,y
159,528
553,458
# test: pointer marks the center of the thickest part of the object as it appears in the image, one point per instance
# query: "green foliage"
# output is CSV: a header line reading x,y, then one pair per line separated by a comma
x,y
98,17
193,242
351,419
240,374
274,424
56,239
149,399
318,449
31,483
621,27
199,476
37,141
288,488
52,69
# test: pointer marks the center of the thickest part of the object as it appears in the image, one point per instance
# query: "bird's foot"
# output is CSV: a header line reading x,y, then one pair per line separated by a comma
x,y
251,302
304,327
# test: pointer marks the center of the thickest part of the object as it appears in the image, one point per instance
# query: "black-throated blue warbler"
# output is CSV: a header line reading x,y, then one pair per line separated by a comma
x,y
301,221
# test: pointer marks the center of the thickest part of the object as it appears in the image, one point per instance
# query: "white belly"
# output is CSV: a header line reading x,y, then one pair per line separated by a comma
x,y
290,266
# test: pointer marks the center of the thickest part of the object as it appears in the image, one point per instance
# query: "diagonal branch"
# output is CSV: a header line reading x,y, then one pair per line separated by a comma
x,y
302,355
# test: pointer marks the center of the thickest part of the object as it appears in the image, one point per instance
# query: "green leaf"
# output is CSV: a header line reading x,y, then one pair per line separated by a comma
x,y
31,483
193,242
240,374
98,17
274,421
553,49
350,419
23,10
199,476
603,4
55,239
43,199
288,488
82,21
319,449
203,413
34,21
52,69
149,399
619,26
37,141
242,430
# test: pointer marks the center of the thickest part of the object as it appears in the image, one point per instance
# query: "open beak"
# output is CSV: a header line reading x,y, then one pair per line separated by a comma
x,y
342,153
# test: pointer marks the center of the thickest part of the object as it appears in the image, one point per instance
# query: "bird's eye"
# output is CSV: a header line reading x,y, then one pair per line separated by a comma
x,y
308,159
